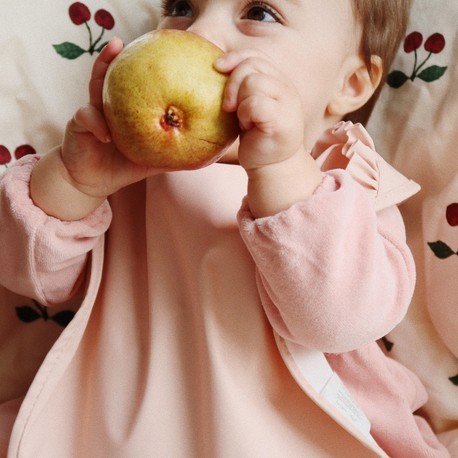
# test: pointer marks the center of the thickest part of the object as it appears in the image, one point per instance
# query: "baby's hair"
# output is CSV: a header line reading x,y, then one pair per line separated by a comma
x,y
383,25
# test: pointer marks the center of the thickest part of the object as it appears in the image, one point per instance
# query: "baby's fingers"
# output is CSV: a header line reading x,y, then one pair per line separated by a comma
x,y
230,60
257,102
108,53
89,120
241,67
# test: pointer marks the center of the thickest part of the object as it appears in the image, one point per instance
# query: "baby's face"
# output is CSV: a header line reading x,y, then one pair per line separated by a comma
x,y
308,40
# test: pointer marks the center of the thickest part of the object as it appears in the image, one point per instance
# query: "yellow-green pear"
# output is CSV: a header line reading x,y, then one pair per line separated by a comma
x,y
162,100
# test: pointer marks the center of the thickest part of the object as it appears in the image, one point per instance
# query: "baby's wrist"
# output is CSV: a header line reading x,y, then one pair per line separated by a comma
x,y
53,192
276,187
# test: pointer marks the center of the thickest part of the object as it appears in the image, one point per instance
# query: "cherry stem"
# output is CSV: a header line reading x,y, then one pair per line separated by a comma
x,y
98,39
417,69
90,50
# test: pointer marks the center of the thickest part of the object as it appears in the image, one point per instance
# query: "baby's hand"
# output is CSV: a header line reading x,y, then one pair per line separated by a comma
x,y
268,107
93,163
280,171
73,180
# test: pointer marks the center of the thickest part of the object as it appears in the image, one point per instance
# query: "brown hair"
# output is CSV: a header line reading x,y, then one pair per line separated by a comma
x,y
383,26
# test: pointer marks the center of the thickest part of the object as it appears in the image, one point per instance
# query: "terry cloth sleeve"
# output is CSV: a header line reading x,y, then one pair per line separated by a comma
x,y
333,273
42,257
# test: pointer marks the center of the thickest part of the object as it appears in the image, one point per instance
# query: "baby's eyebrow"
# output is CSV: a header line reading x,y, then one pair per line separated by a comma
x,y
295,2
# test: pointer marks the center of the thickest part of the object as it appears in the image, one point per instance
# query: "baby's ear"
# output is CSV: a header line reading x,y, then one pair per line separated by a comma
x,y
356,86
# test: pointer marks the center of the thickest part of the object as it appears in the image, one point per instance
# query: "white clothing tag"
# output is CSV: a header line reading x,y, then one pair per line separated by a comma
x,y
337,394
315,369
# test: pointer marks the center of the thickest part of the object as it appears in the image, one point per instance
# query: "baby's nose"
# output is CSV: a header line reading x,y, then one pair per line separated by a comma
x,y
210,30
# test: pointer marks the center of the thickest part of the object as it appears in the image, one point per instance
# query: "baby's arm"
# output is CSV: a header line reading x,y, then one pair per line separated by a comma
x,y
333,274
42,257
44,254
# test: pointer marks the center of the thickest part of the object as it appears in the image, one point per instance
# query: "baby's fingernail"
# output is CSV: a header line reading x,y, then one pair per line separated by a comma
x,y
229,104
219,64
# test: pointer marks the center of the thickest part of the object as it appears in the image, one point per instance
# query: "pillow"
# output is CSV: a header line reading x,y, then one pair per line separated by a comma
x,y
414,125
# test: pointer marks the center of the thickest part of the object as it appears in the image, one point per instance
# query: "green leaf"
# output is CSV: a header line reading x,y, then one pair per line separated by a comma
x,y
396,79
454,380
63,318
27,314
432,73
69,50
441,249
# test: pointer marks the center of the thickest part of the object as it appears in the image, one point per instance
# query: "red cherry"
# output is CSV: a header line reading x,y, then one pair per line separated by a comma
x,y
79,13
104,19
435,43
23,150
452,214
413,41
5,155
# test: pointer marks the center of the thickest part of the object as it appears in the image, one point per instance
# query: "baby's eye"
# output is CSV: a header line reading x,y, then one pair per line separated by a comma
x,y
179,8
259,11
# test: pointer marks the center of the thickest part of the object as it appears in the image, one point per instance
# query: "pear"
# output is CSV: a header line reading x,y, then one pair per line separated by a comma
x,y
162,100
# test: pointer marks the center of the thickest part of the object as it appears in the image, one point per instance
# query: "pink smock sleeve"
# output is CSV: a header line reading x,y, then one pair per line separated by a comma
x,y
42,257
333,272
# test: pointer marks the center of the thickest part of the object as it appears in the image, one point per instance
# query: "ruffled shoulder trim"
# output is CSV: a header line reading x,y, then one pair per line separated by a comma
x,y
348,146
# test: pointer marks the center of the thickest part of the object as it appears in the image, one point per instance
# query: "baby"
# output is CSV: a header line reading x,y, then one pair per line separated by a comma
x,y
217,299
